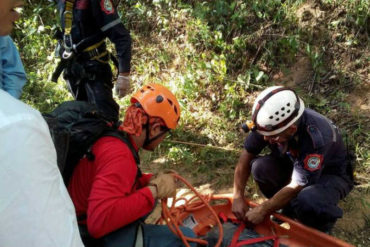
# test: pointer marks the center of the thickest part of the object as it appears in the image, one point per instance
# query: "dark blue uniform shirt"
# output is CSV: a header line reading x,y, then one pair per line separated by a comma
x,y
317,148
99,18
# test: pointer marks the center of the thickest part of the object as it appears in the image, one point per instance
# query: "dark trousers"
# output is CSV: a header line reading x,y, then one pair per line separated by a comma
x,y
315,205
153,236
91,81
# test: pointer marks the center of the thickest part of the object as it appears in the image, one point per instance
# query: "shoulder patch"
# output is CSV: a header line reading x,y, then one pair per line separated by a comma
x,y
107,6
316,136
313,162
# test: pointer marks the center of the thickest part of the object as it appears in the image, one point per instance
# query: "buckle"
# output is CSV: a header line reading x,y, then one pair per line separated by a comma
x,y
66,54
67,41
94,53
68,46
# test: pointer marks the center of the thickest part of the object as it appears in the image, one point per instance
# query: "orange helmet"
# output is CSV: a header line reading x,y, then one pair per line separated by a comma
x,y
158,101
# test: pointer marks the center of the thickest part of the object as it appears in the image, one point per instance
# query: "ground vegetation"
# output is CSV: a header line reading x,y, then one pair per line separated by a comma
x,y
215,56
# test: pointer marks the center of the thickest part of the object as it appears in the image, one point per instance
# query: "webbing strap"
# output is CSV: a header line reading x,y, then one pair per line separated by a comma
x,y
236,243
236,235
257,240
139,242
94,46
68,16
68,45
67,37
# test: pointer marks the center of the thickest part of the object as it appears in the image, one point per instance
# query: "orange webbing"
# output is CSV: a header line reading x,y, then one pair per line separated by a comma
x,y
172,215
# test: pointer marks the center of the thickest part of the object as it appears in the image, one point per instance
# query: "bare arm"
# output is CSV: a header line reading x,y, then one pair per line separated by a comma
x,y
241,175
242,172
278,201
282,197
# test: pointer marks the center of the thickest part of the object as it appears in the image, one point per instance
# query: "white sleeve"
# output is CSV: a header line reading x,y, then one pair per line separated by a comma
x,y
35,208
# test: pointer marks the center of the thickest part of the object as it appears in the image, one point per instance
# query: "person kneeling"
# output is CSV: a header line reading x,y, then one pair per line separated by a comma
x,y
110,194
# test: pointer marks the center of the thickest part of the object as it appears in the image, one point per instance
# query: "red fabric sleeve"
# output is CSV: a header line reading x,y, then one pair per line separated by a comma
x,y
145,179
114,200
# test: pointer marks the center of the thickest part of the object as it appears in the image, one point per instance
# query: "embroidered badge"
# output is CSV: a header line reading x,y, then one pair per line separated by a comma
x,y
312,162
107,6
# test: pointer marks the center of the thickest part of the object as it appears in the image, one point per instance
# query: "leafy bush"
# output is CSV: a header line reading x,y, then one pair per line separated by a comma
x,y
214,55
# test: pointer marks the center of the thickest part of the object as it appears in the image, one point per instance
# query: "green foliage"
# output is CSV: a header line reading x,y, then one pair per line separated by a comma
x,y
34,36
214,55
181,154
357,11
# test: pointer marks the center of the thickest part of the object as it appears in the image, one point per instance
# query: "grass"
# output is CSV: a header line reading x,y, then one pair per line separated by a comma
x,y
215,56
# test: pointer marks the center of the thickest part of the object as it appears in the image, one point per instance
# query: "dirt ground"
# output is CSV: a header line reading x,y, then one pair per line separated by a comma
x,y
354,227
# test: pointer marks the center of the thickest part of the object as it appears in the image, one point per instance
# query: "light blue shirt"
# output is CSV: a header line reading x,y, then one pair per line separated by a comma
x,y
12,74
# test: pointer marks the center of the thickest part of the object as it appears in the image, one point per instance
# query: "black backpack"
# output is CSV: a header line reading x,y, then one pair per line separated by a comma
x,y
74,127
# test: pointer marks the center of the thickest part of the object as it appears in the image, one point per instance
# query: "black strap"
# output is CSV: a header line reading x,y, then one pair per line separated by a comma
x,y
123,137
87,55
68,19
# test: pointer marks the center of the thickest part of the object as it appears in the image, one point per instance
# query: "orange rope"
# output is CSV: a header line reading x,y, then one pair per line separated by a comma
x,y
172,215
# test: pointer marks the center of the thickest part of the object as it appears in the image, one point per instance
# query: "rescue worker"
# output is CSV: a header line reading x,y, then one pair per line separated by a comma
x,y
84,57
110,194
307,171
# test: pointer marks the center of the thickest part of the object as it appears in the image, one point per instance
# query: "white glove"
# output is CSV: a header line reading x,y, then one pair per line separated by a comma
x,y
122,86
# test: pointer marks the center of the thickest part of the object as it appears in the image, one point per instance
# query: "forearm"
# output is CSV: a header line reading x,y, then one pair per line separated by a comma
x,y
242,172
154,190
281,198
122,41
241,176
105,216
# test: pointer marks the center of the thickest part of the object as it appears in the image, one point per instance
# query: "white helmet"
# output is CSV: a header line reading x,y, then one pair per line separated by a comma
x,y
275,109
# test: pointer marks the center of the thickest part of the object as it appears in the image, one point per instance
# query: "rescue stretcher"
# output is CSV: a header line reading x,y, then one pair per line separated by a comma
x,y
202,213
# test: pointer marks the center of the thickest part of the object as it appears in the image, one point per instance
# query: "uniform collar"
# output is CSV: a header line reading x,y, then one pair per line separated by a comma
x,y
301,125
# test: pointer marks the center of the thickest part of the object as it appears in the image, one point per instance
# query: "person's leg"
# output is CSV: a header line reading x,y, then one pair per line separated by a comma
x,y
87,240
99,90
271,173
125,236
160,235
316,205
73,75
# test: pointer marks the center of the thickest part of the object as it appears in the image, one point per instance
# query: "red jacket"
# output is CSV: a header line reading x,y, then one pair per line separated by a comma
x,y
106,189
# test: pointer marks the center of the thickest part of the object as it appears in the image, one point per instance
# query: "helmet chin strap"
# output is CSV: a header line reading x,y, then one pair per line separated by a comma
x,y
150,140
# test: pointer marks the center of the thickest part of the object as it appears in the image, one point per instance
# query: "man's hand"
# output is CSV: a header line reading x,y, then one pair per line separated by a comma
x,y
165,185
239,208
256,215
122,86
